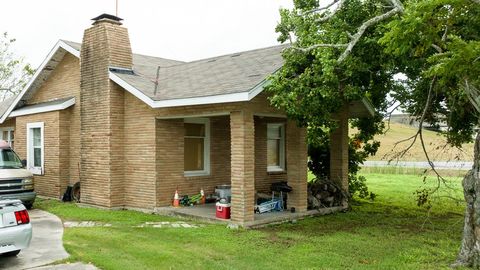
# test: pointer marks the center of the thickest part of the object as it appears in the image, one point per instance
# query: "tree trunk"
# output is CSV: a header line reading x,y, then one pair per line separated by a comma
x,y
469,254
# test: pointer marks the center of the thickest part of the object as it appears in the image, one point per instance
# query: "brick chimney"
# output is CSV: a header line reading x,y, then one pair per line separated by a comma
x,y
105,44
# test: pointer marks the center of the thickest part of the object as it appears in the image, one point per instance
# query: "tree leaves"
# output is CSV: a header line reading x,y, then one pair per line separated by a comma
x,y
13,73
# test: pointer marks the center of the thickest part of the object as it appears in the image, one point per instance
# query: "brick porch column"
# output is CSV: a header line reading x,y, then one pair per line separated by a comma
x,y
339,150
297,166
242,166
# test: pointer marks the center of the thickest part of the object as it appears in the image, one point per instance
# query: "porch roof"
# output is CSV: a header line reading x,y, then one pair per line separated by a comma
x,y
49,106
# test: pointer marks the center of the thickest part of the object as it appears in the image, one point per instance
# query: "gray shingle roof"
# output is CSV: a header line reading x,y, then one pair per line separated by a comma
x,y
227,74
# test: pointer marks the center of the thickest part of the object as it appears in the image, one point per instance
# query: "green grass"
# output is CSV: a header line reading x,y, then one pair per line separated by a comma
x,y
388,233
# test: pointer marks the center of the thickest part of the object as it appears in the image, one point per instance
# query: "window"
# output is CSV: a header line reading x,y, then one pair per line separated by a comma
x,y
35,150
275,147
8,134
196,151
9,160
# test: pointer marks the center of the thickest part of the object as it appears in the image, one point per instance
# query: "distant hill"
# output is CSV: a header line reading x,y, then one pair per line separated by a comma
x,y
434,142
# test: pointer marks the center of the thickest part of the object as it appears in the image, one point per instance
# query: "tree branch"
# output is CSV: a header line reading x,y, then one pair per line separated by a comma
x,y
356,37
316,10
397,8
331,14
319,46
437,48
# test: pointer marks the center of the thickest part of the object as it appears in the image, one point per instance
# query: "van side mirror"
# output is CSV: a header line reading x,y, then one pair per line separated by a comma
x,y
24,163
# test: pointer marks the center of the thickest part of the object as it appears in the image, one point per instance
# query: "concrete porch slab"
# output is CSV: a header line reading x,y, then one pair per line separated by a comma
x,y
206,213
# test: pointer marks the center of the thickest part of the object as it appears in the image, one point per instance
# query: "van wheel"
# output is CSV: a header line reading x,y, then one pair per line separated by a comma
x,y
11,253
29,206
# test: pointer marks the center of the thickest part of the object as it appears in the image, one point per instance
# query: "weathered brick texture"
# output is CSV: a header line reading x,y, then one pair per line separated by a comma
x,y
102,114
339,150
139,154
64,82
263,178
170,159
297,166
242,166
52,182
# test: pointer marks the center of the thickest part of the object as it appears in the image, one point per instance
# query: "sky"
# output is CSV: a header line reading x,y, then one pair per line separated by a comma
x,y
177,29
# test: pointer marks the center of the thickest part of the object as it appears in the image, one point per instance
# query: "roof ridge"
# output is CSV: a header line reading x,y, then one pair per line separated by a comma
x,y
198,60
133,53
240,52
226,55
163,58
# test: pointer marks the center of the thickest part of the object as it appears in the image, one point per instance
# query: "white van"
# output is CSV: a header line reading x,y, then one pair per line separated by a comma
x,y
16,182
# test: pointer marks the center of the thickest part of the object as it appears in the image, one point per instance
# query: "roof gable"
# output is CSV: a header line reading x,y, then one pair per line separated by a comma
x,y
42,73
229,78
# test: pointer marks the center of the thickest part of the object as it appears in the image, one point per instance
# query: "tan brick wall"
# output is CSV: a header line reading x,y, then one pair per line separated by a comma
x,y
117,157
140,153
63,82
141,126
51,183
116,37
243,166
264,179
339,151
170,159
297,166
102,114
64,149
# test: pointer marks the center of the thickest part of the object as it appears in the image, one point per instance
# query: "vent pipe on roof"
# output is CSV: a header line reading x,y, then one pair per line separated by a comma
x,y
156,81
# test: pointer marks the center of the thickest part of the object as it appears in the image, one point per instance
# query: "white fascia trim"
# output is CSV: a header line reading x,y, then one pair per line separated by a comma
x,y
194,115
69,48
236,97
60,44
48,108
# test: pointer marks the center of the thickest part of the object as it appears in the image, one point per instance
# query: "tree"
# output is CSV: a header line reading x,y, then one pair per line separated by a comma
x,y
322,72
14,74
435,43
439,44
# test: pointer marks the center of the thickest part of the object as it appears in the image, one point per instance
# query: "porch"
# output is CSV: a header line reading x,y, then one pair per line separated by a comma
x,y
246,150
206,213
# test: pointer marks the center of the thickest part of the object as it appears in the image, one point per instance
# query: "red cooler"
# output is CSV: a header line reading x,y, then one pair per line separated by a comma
x,y
223,210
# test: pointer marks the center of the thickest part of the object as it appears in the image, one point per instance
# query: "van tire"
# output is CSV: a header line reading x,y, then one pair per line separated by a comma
x,y
29,206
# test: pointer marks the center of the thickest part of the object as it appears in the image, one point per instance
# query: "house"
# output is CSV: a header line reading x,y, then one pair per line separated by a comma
x,y
133,128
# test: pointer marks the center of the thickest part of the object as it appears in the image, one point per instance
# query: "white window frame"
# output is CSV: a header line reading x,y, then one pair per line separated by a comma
x,y
9,139
30,167
206,147
281,149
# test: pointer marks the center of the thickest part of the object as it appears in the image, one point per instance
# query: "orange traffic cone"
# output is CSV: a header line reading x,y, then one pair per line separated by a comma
x,y
176,199
202,200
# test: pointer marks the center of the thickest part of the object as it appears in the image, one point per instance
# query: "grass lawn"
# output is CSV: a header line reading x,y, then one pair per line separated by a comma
x,y
389,233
